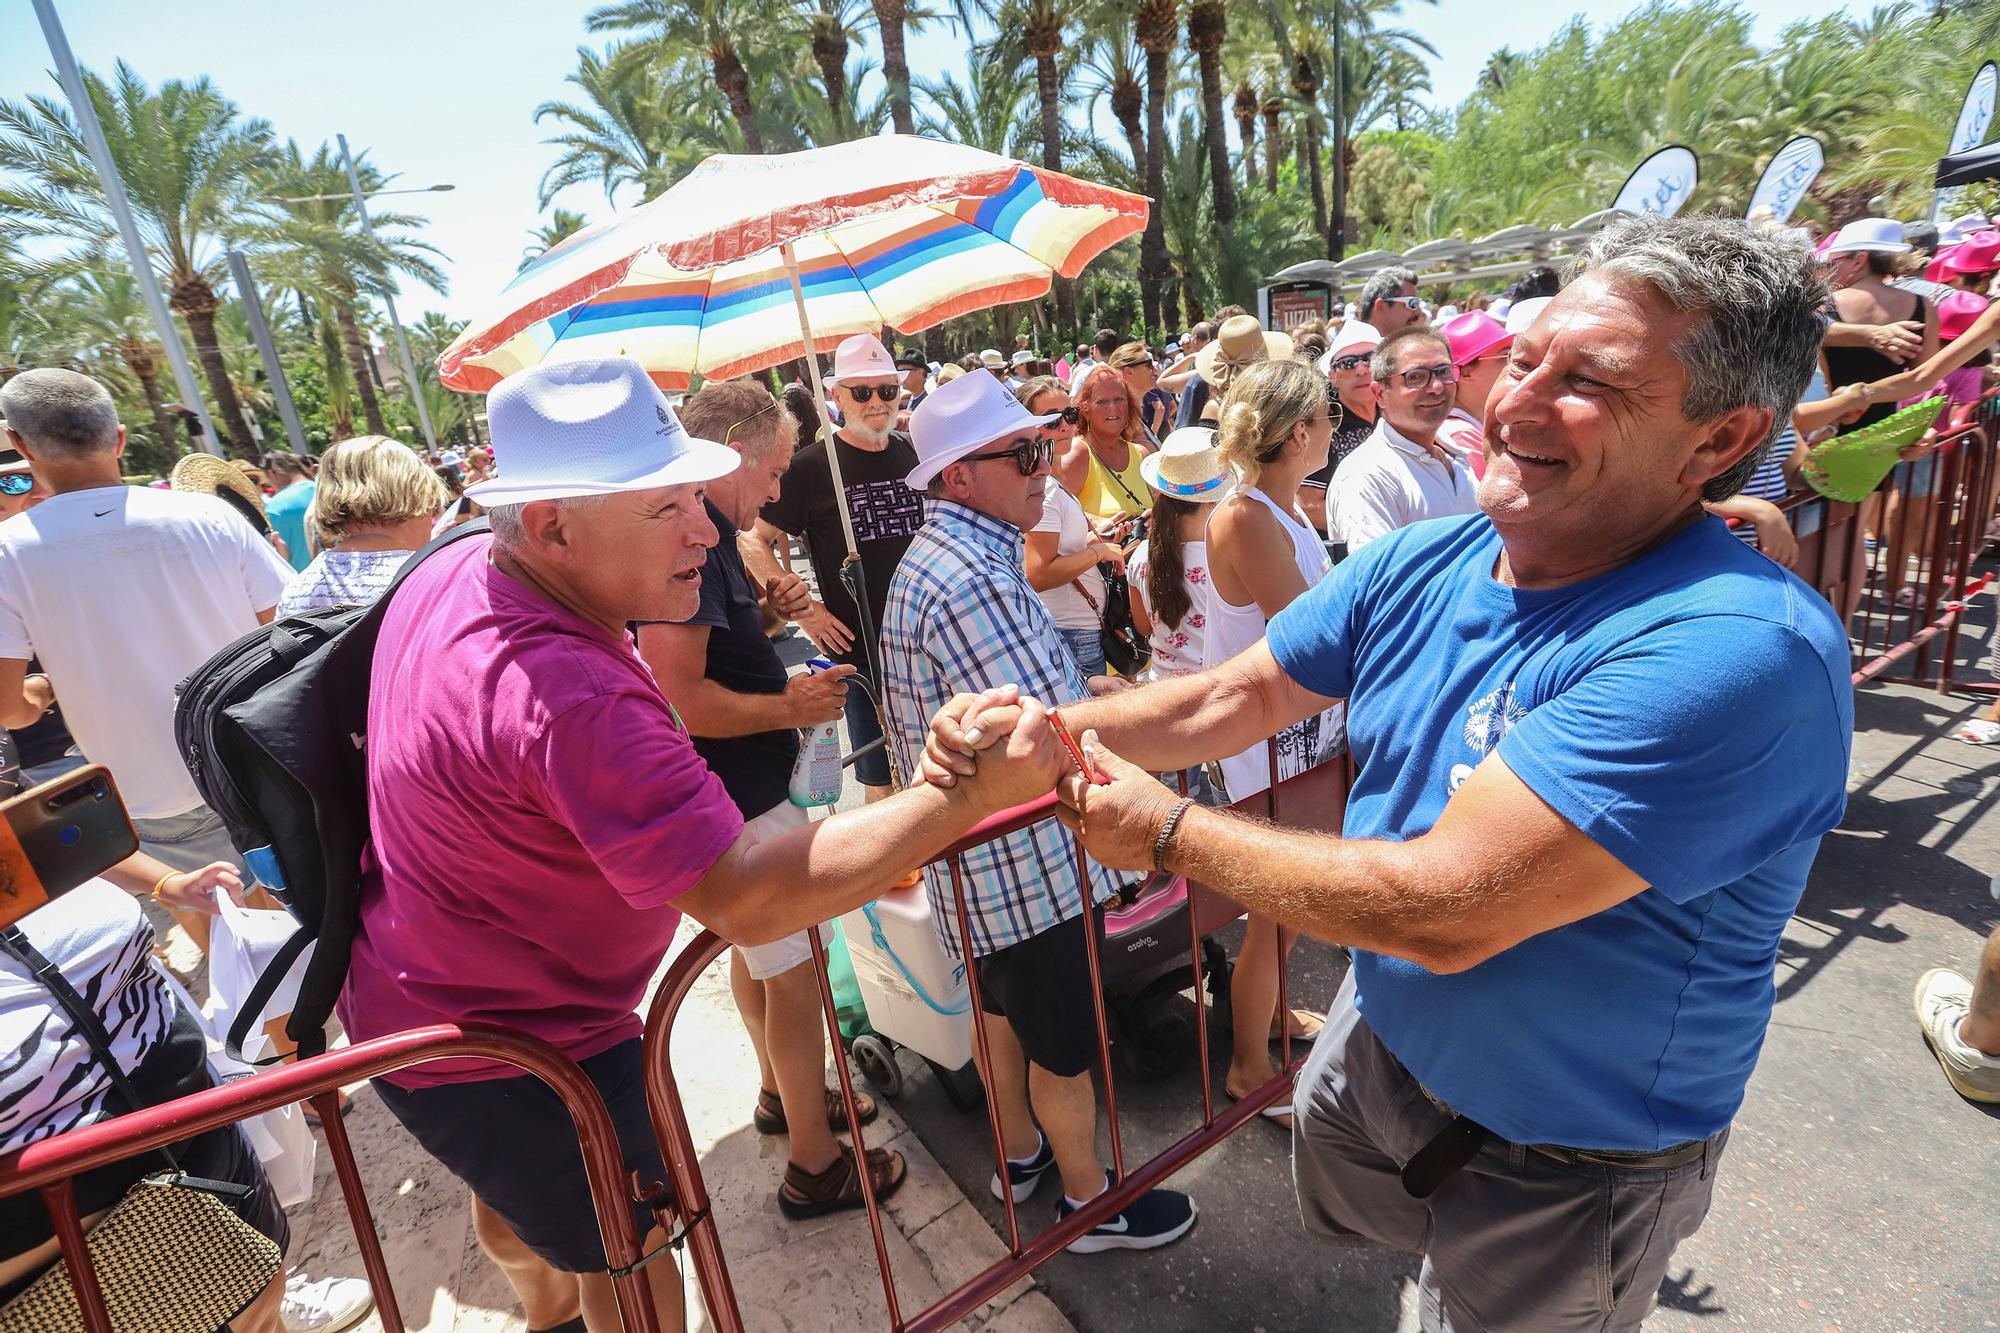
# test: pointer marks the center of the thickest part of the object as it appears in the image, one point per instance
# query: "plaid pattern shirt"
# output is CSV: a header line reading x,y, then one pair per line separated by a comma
x,y
962,617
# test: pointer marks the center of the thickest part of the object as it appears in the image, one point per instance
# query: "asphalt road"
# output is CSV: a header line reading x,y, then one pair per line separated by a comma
x,y
1858,1191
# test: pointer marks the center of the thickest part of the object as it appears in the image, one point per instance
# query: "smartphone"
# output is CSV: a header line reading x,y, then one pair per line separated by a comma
x,y
59,835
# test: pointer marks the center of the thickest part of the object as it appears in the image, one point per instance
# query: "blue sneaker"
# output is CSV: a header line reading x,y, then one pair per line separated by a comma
x,y
1023,1179
1155,1218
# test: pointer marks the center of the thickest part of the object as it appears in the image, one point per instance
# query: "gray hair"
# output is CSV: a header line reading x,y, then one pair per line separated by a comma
x,y
1386,282
505,520
60,411
1765,311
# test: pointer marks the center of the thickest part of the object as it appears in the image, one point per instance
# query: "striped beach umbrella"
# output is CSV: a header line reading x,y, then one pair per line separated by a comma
x,y
748,259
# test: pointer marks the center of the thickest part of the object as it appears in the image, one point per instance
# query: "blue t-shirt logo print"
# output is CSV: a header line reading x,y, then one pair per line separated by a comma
x,y
1485,723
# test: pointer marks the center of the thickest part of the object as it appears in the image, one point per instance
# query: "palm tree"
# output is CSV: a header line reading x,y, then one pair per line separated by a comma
x,y
562,225
311,236
891,16
113,312
719,31
185,158
619,133
1244,108
830,28
1208,28
1156,28
1114,74
989,110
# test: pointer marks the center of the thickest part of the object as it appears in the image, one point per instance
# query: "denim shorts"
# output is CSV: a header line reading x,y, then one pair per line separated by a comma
x,y
865,728
1087,646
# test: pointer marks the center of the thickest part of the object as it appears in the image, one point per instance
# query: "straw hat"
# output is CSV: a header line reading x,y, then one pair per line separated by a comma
x,y
205,474
1241,341
1188,466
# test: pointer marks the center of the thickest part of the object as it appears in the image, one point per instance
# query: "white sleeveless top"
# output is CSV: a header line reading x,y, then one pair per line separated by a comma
x,y
1232,628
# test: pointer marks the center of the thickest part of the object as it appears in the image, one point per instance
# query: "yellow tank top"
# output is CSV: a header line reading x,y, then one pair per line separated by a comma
x,y
1107,494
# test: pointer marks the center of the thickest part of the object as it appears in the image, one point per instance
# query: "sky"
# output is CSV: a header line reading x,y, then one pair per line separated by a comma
x,y
446,93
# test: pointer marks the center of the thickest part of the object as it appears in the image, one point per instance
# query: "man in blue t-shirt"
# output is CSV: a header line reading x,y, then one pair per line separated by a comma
x,y
1598,744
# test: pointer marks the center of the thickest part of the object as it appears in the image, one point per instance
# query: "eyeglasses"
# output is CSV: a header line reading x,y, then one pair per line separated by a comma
x,y
1418,378
1411,301
1355,362
16,483
771,406
888,393
1031,456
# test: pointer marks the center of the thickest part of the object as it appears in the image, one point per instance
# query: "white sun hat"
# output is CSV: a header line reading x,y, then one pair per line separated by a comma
x,y
1961,229
1878,235
1522,314
862,357
1188,466
1354,333
589,426
957,418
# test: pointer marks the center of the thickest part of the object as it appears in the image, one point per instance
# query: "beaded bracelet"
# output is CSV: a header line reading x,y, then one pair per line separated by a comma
x,y
1166,834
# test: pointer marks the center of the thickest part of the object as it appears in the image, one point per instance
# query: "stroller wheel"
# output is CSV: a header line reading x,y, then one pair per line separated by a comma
x,y
877,1061
1154,1047
961,1086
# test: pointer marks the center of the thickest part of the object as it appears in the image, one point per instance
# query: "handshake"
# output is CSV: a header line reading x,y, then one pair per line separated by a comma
x,y
1005,751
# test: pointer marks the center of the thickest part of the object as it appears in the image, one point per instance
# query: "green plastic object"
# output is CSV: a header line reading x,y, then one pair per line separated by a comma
x,y
1849,467
847,1005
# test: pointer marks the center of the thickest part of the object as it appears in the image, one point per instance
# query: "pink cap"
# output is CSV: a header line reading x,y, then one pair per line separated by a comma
x,y
1979,254
1957,311
863,357
1474,334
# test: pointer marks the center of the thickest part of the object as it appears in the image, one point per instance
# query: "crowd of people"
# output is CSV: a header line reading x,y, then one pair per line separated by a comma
x,y
1470,543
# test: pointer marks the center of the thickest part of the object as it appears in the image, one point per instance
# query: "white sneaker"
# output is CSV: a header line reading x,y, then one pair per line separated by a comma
x,y
327,1305
1943,998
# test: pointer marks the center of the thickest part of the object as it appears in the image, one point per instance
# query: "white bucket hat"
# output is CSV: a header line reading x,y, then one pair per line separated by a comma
x,y
862,357
1880,235
1354,333
1188,466
1522,314
589,426
957,418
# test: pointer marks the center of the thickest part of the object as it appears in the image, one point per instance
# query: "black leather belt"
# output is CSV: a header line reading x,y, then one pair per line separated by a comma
x,y
1459,1142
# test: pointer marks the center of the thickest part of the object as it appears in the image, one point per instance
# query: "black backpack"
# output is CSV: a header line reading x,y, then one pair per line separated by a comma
x,y
273,729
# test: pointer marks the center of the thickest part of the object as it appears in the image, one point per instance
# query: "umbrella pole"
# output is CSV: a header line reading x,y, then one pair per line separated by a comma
x,y
850,568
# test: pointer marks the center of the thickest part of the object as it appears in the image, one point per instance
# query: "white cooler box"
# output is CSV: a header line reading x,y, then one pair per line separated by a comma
x,y
915,994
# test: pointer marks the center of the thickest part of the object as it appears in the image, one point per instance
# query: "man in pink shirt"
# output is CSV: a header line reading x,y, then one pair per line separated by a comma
x,y
504,666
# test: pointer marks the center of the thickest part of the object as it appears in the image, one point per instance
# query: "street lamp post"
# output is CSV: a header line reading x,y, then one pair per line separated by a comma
x,y
402,338
128,230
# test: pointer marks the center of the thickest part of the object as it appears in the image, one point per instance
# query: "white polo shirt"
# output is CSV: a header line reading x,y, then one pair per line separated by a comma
x,y
1390,482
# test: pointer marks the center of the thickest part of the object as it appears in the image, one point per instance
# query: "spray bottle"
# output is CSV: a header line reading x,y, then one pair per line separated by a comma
x,y
816,773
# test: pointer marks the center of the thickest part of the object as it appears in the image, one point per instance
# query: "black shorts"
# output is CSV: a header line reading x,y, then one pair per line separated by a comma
x,y
1041,986
177,1067
514,1145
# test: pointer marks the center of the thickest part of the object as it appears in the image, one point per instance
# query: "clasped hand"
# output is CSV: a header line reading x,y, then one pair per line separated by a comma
x,y
1116,808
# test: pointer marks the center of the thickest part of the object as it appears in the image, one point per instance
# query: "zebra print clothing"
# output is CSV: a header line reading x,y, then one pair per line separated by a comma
x,y
49,1082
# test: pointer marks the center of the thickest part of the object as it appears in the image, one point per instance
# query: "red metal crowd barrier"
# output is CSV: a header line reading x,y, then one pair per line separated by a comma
x,y
1314,799
52,1165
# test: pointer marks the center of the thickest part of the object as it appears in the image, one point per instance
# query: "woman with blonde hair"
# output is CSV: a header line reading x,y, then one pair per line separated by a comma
x,y
374,503
1109,445
1278,420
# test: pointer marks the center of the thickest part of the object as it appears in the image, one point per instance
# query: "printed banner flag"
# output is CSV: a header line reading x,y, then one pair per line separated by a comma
x,y
1975,117
1785,181
1660,184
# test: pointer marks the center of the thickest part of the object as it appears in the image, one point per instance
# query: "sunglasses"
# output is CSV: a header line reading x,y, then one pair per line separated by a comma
x,y
16,483
1031,456
771,406
888,393
1070,415
1419,378
1411,301
1354,362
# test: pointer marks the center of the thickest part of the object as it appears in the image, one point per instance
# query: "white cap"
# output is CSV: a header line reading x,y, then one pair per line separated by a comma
x,y
863,357
1878,235
589,426
1522,314
959,417
1354,333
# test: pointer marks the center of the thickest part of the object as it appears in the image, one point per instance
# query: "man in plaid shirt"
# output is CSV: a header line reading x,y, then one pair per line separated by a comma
x,y
962,617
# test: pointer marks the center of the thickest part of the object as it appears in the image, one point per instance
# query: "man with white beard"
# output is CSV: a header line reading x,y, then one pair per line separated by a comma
x,y
874,460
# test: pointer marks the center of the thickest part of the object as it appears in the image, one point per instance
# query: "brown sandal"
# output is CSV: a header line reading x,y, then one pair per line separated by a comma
x,y
838,1187
769,1116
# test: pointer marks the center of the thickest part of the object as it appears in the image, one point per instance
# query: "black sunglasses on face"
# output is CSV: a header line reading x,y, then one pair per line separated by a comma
x,y
1354,362
888,393
1031,456
1070,415
16,483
